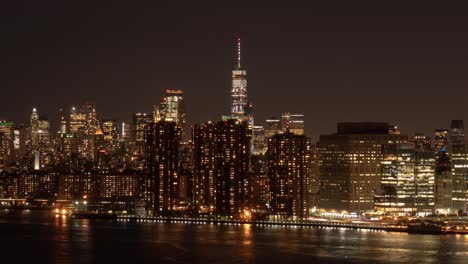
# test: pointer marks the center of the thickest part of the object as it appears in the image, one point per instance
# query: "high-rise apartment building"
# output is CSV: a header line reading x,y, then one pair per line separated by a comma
x,y
161,184
288,171
204,149
232,166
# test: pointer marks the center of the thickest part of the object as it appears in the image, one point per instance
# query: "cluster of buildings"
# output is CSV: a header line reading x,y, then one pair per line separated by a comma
x,y
233,167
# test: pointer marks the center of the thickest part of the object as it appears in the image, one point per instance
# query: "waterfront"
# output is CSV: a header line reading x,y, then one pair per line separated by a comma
x,y
28,236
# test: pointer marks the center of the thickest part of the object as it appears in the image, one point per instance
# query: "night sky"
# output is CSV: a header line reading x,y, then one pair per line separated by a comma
x,y
378,61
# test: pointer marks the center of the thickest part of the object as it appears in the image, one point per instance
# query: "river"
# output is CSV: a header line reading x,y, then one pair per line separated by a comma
x,y
31,237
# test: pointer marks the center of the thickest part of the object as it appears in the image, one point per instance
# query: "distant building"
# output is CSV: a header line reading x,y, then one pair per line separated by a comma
x,y
6,143
273,127
422,142
293,123
441,139
172,107
457,132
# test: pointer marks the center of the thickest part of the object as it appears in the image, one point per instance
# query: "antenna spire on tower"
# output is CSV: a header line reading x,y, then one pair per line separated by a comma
x,y
238,53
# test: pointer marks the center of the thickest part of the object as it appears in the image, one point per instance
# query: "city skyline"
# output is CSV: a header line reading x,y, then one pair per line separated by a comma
x,y
141,131
332,66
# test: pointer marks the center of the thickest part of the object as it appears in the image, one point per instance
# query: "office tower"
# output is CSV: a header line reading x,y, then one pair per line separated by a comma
x,y
204,150
172,107
20,138
6,143
457,132
259,142
407,184
273,127
424,174
288,171
239,86
350,165
293,123
77,120
232,165
92,123
68,145
84,124
422,142
161,183
41,139
110,130
125,131
88,139
459,158
140,122
34,128
443,181
441,136
63,124
100,152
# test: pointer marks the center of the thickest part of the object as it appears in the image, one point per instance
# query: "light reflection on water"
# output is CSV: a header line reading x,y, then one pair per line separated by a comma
x,y
64,240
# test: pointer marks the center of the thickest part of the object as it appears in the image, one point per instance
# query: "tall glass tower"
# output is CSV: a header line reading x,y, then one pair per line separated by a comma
x,y
239,86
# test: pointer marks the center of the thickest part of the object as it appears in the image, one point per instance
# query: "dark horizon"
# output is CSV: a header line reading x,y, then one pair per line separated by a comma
x,y
402,64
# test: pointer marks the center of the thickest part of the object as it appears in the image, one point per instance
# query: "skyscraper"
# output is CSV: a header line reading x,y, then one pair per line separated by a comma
x,y
63,124
443,182
239,86
422,142
441,141
273,127
140,121
172,107
459,157
425,181
457,132
293,123
6,142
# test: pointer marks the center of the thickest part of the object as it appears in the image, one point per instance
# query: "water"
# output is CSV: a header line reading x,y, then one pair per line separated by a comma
x,y
40,236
